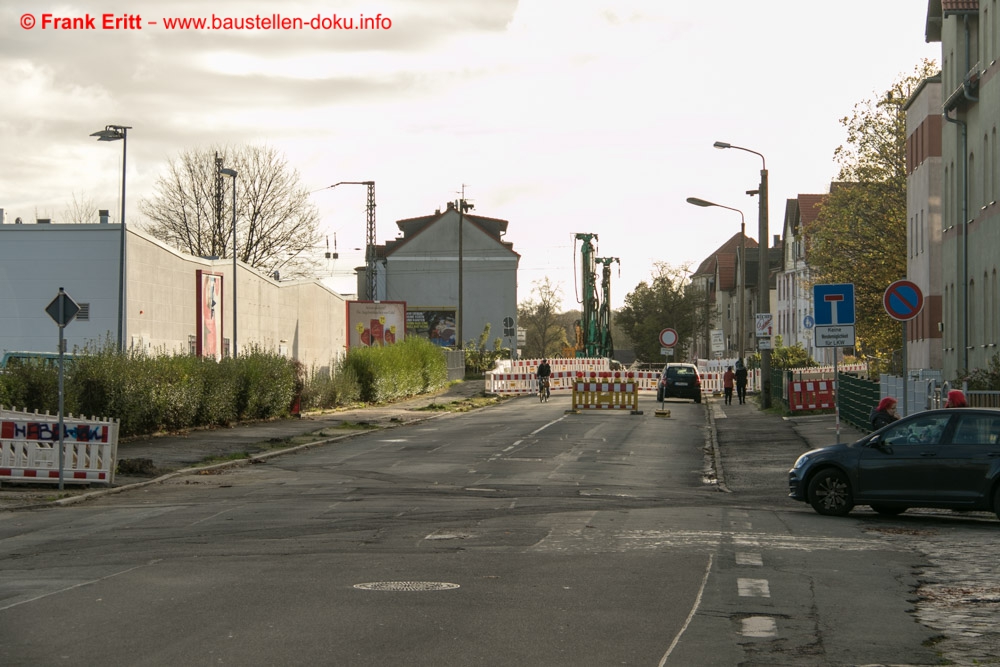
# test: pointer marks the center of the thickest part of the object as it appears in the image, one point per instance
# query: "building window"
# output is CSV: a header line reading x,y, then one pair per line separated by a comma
x,y
84,312
192,345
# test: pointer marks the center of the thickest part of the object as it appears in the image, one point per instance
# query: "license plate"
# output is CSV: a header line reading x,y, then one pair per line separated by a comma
x,y
680,384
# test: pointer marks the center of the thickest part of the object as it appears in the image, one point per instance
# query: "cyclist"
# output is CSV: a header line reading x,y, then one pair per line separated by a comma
x,y
542,374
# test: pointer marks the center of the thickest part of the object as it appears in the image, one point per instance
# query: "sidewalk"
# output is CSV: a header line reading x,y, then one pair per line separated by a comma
x,y
147,460
755,449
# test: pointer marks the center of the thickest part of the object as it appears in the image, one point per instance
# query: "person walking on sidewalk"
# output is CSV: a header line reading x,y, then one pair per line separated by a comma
x,y
728,378
884,413
741,381
956,399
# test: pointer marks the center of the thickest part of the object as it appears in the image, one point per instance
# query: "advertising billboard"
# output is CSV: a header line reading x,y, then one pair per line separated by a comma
x,y
435,324
375,323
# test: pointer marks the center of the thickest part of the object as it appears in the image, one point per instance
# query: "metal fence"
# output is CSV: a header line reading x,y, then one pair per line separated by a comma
x,y
455,361
855,399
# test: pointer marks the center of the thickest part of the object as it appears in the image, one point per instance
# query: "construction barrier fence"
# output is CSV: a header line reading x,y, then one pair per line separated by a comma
x,y
818,395
606,396
29,448
524,381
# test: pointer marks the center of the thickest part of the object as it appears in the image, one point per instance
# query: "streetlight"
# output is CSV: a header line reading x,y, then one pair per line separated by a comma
x,y
232,172
114,133
743,266
763,284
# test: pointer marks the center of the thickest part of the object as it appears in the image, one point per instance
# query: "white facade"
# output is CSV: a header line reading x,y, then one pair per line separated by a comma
x,y
302,320
923,218
970,213
421,267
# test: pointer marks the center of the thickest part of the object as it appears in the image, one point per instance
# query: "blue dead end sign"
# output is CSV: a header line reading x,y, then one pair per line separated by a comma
x,y
903,300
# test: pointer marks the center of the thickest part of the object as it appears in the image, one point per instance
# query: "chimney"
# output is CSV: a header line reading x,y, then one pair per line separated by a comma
x,y
777,241
1,216
104,216
451,206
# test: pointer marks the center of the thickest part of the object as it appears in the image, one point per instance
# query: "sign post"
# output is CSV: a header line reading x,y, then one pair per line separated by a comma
x,y
668,338
833,307
903,301
62,309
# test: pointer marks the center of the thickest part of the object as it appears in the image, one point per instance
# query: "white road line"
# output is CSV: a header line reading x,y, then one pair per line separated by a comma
x,y
82,583
753,588
759,626
542,428
694,610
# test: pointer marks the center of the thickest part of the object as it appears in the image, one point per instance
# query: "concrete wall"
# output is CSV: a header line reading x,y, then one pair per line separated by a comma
x,y
304,320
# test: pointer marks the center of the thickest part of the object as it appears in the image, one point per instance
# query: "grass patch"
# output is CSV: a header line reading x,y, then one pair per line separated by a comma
x,y
465,404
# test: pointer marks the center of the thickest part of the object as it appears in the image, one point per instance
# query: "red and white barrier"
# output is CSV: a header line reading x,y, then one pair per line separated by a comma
x,y
29,448
818,395
606,396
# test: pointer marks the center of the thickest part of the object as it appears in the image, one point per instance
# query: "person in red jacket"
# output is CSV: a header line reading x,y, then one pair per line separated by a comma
x,y
728,381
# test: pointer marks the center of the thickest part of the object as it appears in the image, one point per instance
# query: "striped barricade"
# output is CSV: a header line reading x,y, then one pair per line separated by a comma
x,y
818,395
29,448
606,396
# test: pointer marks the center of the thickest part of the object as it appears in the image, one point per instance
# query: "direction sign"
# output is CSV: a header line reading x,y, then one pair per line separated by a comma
x,y
903,300
833,305
668,338
62,309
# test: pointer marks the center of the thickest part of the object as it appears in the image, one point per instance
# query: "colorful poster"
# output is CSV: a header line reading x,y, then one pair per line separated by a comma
x,y
437,325
375,323
209,316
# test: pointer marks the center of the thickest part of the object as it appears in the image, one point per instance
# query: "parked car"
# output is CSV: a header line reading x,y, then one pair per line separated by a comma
x,y
679,381
946,459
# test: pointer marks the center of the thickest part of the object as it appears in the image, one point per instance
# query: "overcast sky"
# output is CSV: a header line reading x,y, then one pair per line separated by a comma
x,y
560,116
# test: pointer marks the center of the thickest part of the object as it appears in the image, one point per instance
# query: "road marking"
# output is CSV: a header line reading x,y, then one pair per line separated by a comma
x,y
694,609
748,558
82,583
753,588
759,626
542,428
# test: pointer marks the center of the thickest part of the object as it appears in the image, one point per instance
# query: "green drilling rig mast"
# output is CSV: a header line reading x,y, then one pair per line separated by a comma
x,y
587,344
606,347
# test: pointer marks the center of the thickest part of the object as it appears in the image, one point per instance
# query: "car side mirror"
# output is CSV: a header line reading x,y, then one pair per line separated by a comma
x,y
878,443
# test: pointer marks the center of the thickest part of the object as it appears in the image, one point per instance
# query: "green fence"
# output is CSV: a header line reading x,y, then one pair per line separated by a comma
x,y
855,399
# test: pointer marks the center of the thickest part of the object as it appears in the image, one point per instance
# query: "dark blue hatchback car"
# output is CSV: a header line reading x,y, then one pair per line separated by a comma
x,y
946,459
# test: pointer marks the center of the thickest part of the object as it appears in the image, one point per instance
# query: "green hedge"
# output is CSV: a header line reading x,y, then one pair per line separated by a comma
x,y
148,394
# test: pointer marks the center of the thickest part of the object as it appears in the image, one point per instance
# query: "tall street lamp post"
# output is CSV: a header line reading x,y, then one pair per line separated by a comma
x,y
114,133
763,274
232,173
741,329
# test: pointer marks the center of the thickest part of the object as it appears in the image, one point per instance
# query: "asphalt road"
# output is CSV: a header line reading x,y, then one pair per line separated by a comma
x,y
514,535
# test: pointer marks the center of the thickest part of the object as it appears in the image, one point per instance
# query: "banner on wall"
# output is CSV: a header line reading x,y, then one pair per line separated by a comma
x,y
435,324
375,323
208,342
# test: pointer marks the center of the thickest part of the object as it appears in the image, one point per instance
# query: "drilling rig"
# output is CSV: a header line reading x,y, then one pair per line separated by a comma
x,y
587,332
606,347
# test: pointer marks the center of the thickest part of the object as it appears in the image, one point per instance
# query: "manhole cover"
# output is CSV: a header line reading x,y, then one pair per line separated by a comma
x,y
406,586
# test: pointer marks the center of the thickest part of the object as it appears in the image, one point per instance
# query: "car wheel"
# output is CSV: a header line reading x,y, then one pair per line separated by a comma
x,y
830,493
996,501
888,511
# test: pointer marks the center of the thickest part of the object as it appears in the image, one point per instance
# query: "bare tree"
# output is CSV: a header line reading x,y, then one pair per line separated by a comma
x,y
80,211
276,224
546,337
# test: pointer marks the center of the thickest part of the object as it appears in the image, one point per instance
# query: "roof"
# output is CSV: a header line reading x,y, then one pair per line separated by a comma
x,y
412,227
710,265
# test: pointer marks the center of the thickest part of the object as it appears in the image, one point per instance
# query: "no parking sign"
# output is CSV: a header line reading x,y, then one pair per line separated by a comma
x,y
903,300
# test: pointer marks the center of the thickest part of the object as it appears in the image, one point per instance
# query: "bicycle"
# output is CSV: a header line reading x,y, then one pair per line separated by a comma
x,y
543,390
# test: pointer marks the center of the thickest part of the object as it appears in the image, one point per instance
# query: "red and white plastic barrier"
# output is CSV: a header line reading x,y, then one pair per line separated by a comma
x,y
818,395
525,383
29,448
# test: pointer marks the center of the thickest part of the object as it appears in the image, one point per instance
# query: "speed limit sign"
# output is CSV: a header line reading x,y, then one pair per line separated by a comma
x,y
668,338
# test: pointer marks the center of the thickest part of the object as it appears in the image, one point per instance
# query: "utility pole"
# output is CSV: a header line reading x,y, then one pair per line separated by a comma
x,y
463,207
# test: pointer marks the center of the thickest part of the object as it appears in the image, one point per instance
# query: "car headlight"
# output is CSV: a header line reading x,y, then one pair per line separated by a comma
x,y
800,462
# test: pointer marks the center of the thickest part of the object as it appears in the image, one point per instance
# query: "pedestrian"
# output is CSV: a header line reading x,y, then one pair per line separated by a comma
x,y
956,399
741,381
728,379
884,413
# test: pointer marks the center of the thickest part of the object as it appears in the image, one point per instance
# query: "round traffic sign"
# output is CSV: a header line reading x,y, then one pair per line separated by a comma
x,y
808,322
903,300
668,338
